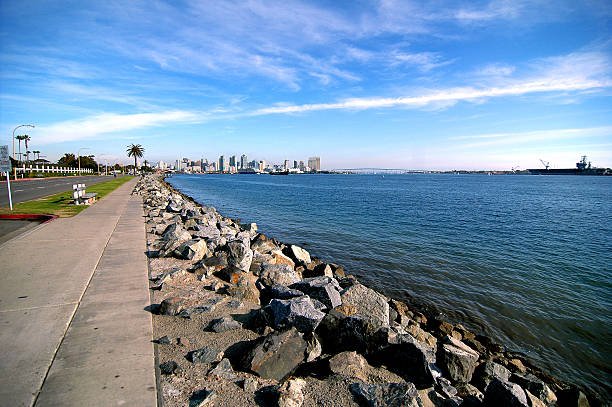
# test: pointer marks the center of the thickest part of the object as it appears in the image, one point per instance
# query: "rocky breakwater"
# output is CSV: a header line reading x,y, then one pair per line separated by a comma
x,y
242,319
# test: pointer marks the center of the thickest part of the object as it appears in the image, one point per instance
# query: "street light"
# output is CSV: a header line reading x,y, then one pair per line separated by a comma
x,y
21,125
79,154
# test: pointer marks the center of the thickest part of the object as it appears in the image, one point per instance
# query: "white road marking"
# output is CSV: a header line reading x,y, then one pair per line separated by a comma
x,y
19,190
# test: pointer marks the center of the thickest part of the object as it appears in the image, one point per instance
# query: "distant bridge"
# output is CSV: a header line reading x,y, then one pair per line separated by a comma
x,y
381,170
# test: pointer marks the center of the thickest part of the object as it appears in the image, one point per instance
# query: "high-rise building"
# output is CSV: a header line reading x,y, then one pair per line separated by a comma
x,y
262,165
254,164
295,164
243,161
314,163
221,166
302,166
286,165
232,161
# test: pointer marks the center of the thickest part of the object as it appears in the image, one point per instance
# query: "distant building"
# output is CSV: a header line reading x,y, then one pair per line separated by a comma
x,y
302,166
232,161
314,163
179,165
254,164
286,165
221,166
295,164
243,161
262,165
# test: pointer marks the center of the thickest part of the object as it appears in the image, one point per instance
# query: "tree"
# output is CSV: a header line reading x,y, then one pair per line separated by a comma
x,y
37,153
19,138
136,151
68,160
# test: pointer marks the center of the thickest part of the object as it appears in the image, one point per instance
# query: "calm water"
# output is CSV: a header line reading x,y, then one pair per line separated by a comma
x,y
525,259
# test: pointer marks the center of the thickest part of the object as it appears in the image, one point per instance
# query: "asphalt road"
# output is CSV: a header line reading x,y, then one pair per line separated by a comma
x,y
26,190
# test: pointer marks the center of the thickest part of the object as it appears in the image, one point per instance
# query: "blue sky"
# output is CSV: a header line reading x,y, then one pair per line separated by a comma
x,y
393,84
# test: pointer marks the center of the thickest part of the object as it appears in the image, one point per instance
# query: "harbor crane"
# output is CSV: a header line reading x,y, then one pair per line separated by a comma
x,y
546,163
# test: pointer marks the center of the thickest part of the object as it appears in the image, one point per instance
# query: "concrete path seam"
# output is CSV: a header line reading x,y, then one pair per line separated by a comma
x,y
76,308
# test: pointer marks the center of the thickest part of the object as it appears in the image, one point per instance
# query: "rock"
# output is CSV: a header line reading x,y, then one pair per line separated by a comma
x,y
215,263
290,393
572,397
224,370
504,394
298,312
372,305
281,274
324,289
280,292
470,394
203,398
337,270
533,401
421,335
339,333
207,354
192,249
171,306
250,385
230,274
205,306
410,359
263,244
250,228
387,394
168,368
280,258
350,364
485,372
516,365
164,340
319,270
240,254
298,254
206,232
457,360
536,386
224,324
277,355
445,387
245,289
176,232
313,347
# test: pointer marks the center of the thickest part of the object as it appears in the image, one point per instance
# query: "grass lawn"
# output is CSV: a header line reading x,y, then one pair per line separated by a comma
x,y
60,204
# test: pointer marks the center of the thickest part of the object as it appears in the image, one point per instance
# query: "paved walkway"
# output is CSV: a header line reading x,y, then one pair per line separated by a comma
x,y
73,325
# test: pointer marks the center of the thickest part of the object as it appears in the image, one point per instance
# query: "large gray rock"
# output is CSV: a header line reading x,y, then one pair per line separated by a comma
x,y
339,333
281,274
536,386
223,370
240,254
457,360
207,354
176,232
224,324
368,303
324,289
245,290
350,364
504,394
298,312
206,232
410,359
171,306
280,292
194,249
387,394
263,244
299,255
485,372
277,355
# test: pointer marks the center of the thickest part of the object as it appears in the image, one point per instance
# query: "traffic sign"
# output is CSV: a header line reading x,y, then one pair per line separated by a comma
x,y
5,161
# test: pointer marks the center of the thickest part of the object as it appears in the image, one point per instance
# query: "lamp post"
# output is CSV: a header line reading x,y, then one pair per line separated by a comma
x,y
79,154
21,125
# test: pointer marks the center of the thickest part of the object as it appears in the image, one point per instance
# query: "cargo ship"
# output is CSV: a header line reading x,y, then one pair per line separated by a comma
x,y
582,168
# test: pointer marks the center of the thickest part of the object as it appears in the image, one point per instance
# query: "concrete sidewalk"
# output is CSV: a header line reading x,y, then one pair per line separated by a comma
x,y
74,330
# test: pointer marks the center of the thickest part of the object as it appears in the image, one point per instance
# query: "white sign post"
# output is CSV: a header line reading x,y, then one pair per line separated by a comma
x,y
5,166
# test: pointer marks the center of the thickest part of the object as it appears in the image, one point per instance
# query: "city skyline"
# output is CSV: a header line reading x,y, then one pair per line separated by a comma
x,y
394,84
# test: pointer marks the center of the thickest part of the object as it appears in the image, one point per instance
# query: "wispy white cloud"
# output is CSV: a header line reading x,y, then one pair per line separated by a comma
x,y
424,61
109,123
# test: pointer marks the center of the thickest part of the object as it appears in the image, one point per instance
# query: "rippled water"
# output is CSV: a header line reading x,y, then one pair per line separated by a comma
x,y
525,259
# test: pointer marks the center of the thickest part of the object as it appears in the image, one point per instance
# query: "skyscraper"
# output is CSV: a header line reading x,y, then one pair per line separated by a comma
x,y
243,161
295,164
314,163
232,161
286,165
221,164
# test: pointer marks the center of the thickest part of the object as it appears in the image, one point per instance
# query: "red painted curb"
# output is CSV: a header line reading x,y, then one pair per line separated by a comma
x,y
30,216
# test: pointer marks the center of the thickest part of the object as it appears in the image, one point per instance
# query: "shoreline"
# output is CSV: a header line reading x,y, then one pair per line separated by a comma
x,y
441,343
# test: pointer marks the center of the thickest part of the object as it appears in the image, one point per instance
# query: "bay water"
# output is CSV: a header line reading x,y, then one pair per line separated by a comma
x,y
524,259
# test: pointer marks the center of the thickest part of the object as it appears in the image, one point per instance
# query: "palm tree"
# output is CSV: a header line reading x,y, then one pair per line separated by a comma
x,y
136,151
37,154
22,137
28,155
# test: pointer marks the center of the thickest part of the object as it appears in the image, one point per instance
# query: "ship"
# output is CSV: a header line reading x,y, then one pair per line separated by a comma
x,y
582,168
